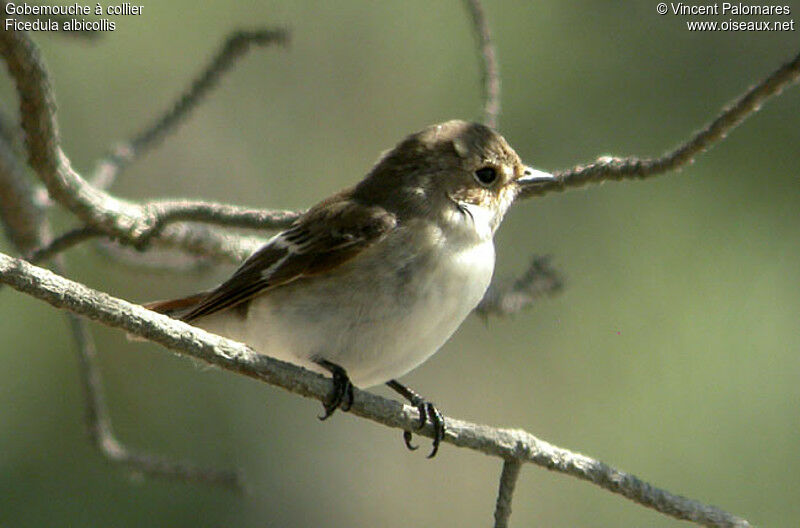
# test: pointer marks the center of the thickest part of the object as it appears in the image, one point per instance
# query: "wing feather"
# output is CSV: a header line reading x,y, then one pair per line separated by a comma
x,y
329,234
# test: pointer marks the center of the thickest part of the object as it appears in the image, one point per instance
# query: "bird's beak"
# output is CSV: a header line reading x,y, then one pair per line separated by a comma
x,y
531,176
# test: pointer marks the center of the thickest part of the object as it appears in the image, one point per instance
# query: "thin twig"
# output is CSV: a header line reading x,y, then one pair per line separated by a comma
x,y
27,228
170,211
200,241
503,298
99,423
38,121
99,426
155,259
62,243
490,72
609,168
121,219
236,45
230,355
508,480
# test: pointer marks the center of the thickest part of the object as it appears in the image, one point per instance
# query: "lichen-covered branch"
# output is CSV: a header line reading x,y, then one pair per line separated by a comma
x,y
507,444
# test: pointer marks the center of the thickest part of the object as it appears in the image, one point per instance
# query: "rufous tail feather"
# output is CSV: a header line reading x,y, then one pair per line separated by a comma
x,y
171,307
174,307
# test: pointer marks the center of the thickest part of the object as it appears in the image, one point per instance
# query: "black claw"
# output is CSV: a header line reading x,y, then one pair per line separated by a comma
x,y
407,439
341,396
427,412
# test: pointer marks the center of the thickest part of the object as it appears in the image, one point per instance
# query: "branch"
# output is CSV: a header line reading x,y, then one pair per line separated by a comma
x,y
166,212
27,228
236,45
508,480
99,426
199,240
121,219
508,444
490,72
62,243
154,259
617,169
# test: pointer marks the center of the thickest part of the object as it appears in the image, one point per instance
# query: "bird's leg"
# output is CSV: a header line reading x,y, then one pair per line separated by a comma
x,y
342,395
427,411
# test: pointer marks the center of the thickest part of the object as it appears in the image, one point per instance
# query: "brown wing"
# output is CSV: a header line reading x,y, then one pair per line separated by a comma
x,y
330,233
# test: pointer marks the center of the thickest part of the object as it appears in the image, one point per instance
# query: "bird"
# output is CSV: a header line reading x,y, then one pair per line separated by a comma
x,y
372,281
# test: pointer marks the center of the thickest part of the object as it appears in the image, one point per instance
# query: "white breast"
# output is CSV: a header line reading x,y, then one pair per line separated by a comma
x,y
453,289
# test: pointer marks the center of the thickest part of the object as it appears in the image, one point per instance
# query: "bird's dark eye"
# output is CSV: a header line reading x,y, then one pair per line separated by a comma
x,y
486,175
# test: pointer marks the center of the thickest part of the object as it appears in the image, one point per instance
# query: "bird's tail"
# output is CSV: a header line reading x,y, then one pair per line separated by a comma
x,y
176,307
172,307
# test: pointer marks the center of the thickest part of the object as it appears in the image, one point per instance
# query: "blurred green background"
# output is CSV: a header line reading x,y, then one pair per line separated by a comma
x,y
672,353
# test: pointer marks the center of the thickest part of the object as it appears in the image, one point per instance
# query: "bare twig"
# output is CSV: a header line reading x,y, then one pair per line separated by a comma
x,y
62,243
99,426
503,298
508,480
201,241
27,228
220,214
507,444
37,112
121,219
608,168
99,423
236,45
167,212
154,259
490,72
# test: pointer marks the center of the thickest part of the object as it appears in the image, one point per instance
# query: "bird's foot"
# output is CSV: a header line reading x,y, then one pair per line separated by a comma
x,y
427,412
341,396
